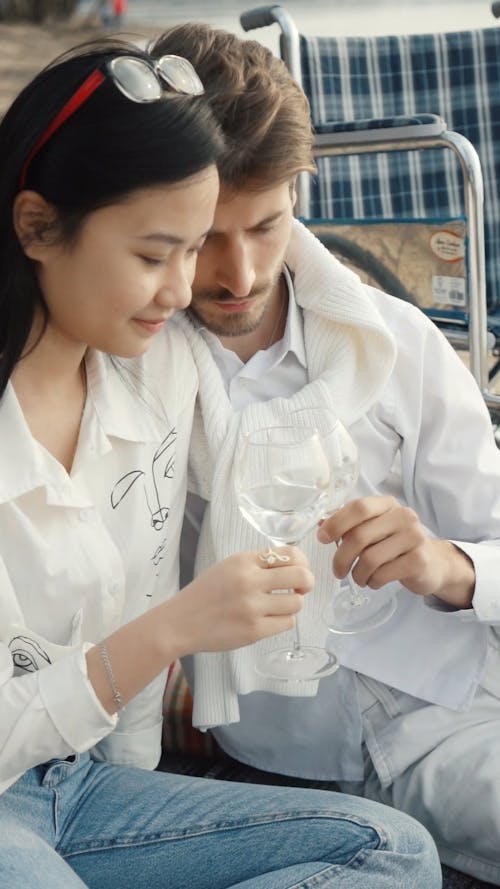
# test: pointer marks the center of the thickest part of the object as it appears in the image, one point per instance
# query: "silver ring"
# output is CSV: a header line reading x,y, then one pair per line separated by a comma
x,y
270,558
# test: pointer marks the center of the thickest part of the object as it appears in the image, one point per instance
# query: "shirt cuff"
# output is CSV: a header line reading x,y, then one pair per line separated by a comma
x,y
72,703
486,599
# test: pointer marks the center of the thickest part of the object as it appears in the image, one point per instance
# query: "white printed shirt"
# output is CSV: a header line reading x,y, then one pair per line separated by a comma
x,y
83,553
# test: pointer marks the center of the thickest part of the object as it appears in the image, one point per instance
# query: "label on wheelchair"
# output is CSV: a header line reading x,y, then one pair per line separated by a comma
x,y
447,245
448,291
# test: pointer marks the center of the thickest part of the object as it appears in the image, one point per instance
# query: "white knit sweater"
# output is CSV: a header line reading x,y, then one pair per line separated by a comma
x,y
350,357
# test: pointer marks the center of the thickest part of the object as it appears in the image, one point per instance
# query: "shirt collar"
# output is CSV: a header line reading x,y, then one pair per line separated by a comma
x,y
111,410
292,340
22,459
122,395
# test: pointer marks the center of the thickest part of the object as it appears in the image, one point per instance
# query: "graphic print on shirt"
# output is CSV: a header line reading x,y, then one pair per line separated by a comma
x,y
27,654
162,467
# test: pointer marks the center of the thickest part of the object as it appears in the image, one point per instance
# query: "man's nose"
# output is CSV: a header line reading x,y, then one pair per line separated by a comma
x,y
236,269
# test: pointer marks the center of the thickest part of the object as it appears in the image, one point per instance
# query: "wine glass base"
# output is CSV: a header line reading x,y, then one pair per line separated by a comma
x,y
288,665
346,618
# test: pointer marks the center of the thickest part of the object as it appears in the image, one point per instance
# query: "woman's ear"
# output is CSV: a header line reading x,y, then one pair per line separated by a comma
x,y
34,220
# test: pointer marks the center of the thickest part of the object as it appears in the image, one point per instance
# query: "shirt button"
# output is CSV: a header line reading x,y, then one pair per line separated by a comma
x,y
114,586
85,515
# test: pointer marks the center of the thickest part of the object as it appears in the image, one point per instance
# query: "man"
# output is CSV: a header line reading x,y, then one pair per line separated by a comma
x,y
412,718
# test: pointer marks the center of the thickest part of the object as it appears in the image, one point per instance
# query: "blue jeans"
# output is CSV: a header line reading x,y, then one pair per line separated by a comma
x,y
75,824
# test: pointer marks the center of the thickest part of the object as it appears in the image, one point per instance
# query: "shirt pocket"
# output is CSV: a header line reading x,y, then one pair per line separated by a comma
x,y
379,446
31,652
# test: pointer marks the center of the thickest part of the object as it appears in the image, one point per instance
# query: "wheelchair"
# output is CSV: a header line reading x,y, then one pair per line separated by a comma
x,y
407,142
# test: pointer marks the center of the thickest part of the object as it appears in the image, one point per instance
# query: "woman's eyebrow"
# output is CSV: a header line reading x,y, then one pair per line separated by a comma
x,y
165,238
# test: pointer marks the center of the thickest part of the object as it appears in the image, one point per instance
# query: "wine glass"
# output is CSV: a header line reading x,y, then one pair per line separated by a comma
x,y
281,476
354,609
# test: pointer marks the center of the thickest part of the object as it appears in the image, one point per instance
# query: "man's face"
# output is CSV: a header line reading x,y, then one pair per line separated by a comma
x,y
239,266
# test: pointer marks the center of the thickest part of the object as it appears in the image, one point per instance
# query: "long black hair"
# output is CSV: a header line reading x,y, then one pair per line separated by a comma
x,y
108,148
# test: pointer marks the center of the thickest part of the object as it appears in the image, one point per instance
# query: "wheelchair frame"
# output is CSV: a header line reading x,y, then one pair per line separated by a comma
x,y
417,135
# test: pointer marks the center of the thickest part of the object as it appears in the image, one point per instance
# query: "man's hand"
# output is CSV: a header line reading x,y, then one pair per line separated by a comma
x,y
385,542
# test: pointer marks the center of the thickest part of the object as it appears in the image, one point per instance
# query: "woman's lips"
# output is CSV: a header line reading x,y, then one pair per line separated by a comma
x,y
151,326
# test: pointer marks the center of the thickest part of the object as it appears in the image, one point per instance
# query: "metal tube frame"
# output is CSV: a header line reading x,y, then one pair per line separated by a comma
x,y
473,201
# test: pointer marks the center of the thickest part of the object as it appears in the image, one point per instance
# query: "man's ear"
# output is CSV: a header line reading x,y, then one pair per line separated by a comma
x,y
34,220
293,191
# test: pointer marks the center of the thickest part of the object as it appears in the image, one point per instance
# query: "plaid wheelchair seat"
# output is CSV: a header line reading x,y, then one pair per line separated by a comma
x,y
453,75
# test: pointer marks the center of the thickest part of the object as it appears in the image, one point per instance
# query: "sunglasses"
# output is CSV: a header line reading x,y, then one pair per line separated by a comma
x,y
139,80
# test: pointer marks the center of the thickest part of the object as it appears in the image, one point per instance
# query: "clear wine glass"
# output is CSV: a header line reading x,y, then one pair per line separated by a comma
x,y
354,609
281,476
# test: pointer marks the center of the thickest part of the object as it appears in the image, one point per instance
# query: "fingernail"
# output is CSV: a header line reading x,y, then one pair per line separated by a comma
x,y
322,536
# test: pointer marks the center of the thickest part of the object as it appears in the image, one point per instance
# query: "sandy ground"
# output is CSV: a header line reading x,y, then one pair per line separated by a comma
x,y
25,49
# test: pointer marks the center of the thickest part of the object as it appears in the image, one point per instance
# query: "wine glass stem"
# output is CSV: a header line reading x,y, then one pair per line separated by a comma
x,y
297,644
296,652
358,598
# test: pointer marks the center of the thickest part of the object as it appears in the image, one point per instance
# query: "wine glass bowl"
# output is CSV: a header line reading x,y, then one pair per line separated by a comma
x,y
283,510
282,477
353,609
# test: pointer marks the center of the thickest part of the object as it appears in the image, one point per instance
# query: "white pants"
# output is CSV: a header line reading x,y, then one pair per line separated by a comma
x,y
440,766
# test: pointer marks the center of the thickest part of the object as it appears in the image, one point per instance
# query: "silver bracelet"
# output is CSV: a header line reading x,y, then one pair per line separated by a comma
x,y
111,676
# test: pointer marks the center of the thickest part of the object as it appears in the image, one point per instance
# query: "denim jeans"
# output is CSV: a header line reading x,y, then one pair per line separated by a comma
x,y
75,824
442,767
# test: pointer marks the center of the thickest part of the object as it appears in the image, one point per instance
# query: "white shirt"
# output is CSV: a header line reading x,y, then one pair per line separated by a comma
x,y
83,553
279,370
427,440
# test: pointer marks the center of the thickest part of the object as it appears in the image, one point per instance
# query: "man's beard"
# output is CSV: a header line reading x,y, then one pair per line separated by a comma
x,y
230,325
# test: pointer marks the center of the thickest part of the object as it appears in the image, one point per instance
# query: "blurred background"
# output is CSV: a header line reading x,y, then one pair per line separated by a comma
x,y
34,31
323,16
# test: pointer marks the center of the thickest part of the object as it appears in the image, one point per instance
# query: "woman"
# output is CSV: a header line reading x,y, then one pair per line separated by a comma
x,y
108,190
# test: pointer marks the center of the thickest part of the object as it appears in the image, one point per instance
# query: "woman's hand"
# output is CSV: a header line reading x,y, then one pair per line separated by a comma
x,y
231,604
228,606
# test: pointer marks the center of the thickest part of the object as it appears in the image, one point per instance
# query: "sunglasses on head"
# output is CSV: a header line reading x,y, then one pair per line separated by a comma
x,y
138,79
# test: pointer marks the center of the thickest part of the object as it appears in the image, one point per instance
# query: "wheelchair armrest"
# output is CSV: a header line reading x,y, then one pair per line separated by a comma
x,y
378,129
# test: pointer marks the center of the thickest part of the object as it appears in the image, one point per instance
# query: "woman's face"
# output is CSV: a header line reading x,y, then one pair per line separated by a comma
x,y
130,266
